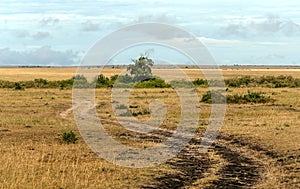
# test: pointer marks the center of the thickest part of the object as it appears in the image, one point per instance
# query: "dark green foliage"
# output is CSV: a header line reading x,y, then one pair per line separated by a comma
x,y
18,86
152,83
215,97
113,79
102,81
69,137
7,84
200,82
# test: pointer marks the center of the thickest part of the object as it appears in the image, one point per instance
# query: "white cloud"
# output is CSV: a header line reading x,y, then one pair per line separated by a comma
x,y
90,26
42,56
21,34
160,18
267,27
49,21
41,35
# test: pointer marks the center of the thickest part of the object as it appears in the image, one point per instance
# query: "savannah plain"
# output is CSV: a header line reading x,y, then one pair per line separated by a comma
x,y
258,146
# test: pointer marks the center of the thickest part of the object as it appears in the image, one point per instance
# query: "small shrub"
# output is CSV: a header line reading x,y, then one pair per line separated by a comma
x,y
125,79
250,97
142,112
200,82
215,97
69,137
152,83
18,86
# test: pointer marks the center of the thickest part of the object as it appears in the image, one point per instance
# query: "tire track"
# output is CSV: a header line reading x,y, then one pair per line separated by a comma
x,y
240,171
189,166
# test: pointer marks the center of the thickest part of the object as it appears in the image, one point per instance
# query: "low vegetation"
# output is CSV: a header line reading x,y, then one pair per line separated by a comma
x,y
217,97
69,137
127,81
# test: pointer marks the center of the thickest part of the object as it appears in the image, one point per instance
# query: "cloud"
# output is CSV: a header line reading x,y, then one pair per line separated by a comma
x,y
269,26
41,35
49,21
160,18
90,26
21,34
43,56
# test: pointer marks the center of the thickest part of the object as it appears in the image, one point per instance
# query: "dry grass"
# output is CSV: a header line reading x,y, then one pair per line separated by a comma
x,y
33,155
23,74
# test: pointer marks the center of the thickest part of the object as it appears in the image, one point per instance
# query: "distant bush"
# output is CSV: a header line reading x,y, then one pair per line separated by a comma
x,y
102,81
18,86
264,81
69,137
200,82
152,83
127,81
216,97
250,97
181,84
7,84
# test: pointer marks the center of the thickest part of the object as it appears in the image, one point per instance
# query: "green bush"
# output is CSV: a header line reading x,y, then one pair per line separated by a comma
x,y
264,81
18,86
69,137
215,97
125,79
181,84
250,97
200,82
152,83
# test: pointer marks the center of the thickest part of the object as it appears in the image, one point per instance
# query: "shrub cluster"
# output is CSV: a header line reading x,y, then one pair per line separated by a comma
x,y
250,97
69,137
127,81
264,81
216,97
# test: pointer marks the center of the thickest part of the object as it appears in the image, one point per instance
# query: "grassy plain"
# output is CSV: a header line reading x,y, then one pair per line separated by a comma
x,y
54,73
263,137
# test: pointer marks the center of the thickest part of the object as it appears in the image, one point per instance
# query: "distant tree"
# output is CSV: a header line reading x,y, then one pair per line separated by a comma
x,y
141,68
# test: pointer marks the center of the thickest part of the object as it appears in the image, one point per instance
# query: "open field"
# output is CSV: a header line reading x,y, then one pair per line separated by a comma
x,y
53,73
258,147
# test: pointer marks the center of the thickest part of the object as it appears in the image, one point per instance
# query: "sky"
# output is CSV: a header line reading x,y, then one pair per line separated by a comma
x,y
59,33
